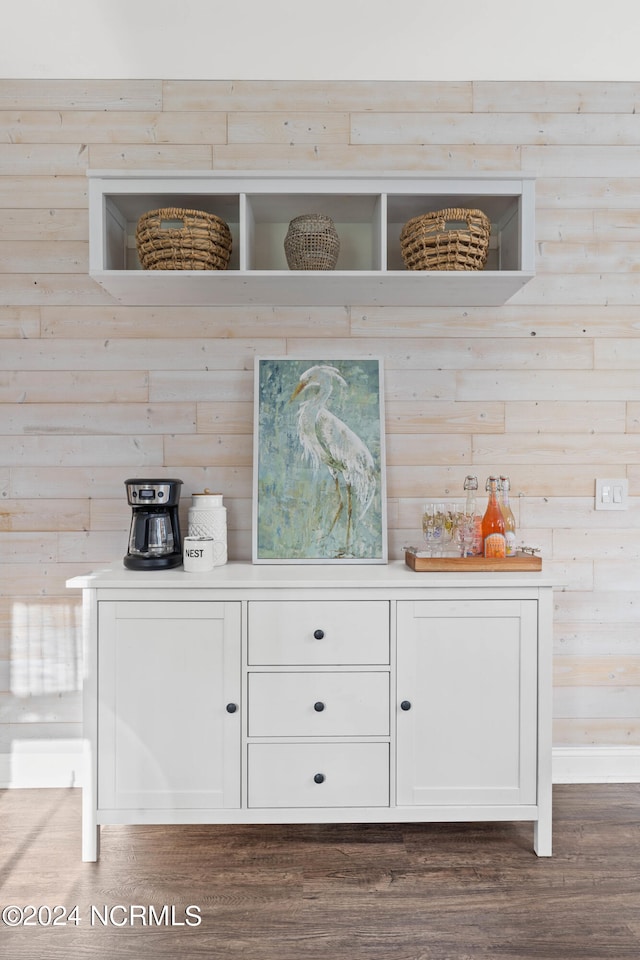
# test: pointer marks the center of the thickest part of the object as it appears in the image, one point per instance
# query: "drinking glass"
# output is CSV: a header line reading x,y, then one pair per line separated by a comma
x,y
465,534
432,529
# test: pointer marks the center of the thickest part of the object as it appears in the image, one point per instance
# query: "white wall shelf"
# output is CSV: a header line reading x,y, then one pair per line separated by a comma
x,y
368,211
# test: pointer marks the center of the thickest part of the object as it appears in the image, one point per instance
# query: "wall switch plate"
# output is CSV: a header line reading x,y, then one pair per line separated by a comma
x,y
612,494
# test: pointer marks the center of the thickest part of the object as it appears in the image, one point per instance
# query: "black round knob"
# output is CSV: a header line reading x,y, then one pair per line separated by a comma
x,y
318,634
319,778
405,705
232,707
318,706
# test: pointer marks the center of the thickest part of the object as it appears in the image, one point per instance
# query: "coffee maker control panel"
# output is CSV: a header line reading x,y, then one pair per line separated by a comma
x,y
150,493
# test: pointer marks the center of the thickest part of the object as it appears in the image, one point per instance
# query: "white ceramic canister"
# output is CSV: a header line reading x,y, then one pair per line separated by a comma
x,y
208,518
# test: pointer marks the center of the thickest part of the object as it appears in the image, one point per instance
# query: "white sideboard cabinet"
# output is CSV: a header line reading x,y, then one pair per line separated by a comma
x,y
369,211
302,693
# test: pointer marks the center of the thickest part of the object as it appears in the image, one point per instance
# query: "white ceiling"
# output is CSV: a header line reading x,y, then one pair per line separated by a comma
x,y
322,39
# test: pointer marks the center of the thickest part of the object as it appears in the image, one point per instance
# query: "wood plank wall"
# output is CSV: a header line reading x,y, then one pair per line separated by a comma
x,y
546,388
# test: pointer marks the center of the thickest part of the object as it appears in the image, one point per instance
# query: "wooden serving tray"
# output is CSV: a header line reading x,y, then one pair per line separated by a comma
x,y
522,561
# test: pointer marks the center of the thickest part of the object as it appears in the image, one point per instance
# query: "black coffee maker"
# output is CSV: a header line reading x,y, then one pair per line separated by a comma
x,y
154,538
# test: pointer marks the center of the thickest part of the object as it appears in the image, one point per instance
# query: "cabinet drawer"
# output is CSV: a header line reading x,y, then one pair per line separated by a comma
x,y
318,775
301,632
318,704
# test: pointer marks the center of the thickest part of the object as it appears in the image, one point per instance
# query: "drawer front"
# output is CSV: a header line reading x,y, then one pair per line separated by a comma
x,y
318,704
316,632
318,775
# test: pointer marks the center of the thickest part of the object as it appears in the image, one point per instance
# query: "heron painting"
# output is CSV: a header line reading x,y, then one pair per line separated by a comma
x,y
319,490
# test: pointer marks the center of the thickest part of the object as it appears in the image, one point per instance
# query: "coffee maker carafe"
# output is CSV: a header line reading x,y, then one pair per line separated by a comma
x,y
154,537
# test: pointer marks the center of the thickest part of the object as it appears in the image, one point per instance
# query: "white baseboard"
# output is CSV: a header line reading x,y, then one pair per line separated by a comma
x,y
596,764
43,763
60,763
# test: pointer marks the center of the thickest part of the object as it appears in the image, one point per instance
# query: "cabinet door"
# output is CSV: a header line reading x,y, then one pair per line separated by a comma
x,y
167,672
466,702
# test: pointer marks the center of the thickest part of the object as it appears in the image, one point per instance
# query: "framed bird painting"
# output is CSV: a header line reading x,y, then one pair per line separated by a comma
x,y
319,491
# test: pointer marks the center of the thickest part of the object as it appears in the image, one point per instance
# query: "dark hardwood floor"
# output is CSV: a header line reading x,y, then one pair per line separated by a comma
x,y
407,892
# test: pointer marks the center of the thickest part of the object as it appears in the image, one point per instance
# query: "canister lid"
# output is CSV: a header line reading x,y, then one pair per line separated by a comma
x,y
206,499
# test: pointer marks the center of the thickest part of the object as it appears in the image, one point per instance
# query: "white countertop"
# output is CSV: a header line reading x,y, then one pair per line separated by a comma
x,y
243,575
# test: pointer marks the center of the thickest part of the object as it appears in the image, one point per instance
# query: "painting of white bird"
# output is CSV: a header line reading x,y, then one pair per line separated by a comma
x,y
319,491
327,440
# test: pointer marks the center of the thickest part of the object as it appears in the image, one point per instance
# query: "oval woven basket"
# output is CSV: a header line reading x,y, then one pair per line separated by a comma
x,y
451,239
173,238
312,243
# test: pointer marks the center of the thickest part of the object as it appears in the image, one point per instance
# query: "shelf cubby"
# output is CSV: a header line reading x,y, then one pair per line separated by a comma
x,y
368,211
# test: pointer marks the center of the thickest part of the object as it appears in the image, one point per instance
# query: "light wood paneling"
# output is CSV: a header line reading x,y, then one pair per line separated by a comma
x,y
540,128
108,418
19,322
84,386
50,288
288,128
37,159
107,126
587,732
511,321
593,193
597,671
565,417
443,416
127,156
546,387
597,160
22,192
418,157
575,512
577,258
223,450
565,97
26,256
73,481
217,323
247,95
409,450
43,514
225,417
87,451
618,355
556,448
188,384
71,94
51,224
451,353
596,639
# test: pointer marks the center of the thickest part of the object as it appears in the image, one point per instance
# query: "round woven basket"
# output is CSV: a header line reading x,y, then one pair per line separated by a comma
x,y
451,239
176,239
312,243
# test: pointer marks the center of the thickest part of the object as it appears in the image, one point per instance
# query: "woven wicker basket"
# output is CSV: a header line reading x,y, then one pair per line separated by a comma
x,y
439,241
312,243
175,239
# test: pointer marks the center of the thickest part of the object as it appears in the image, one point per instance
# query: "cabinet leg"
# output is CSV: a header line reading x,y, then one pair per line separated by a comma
x,y
90,829
90,844
542,840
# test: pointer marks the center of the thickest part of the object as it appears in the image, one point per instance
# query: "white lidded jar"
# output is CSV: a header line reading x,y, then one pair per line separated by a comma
x,y
208,518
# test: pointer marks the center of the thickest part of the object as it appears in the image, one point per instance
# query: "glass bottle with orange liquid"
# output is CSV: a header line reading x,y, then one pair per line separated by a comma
x,y
493,538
